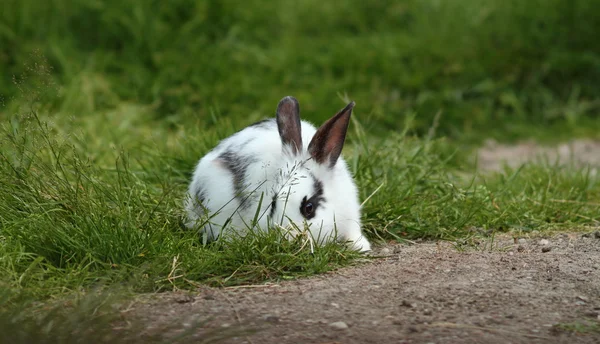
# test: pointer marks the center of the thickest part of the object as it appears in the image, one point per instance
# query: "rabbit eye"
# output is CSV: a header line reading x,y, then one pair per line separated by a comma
x,y
307,208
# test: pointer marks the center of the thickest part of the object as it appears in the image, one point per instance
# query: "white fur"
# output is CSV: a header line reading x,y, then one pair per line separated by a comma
x,y
275,171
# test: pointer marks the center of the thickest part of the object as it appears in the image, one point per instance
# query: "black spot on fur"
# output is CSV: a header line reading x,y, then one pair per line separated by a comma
x,y
200,195
315,200
197,198
273,205
265,123
238,165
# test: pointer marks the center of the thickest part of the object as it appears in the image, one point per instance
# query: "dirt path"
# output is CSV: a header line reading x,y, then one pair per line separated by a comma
x,y
534,290
424,293
492,155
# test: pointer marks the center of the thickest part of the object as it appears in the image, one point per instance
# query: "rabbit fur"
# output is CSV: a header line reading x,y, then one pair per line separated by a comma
x,y
279,171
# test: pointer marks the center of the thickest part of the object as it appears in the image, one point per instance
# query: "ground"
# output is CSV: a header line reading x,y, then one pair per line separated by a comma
x,y
521,291
539,288
579,151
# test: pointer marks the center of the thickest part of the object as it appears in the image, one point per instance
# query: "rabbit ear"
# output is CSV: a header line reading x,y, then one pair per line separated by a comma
x,y
288,123
326,146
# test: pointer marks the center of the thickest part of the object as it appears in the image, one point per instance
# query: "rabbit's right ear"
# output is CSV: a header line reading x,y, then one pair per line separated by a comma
x,y
288,123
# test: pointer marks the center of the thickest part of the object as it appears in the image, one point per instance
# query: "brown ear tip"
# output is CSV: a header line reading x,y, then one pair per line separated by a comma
x,y
288,99
348,109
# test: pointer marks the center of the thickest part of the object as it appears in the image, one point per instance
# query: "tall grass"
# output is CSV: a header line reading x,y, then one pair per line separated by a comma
x,y
69,220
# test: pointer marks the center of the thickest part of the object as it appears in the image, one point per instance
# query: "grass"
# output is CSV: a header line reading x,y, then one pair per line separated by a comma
x,y
578,328
111,104
496,68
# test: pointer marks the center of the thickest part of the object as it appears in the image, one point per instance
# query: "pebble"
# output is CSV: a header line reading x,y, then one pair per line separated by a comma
x,y
407,303
339,325
413,329
520,248
271,318
546,249
544,242
522,241
385,251
597,234
184,298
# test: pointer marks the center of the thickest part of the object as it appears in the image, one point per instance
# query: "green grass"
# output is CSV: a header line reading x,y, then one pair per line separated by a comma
x,y
579,327
107,106
77,211
499,68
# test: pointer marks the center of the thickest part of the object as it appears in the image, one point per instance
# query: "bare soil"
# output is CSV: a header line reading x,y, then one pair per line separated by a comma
x,y
501,290
519,291
493,156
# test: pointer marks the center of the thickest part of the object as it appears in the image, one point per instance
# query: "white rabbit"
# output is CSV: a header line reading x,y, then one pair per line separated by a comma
x,y
266,170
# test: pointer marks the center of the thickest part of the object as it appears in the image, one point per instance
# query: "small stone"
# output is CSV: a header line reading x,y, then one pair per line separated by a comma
x,y
413,329
427,312
385,251
544,242
597,234
271,318
546,249
520,248
522,241
510,316
339,325
184,298
406,303
208,297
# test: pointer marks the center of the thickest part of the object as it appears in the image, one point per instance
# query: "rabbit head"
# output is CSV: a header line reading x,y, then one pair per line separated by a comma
x,y
315,187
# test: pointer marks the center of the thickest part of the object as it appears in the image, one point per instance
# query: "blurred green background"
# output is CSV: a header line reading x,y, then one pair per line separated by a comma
x,y
503,69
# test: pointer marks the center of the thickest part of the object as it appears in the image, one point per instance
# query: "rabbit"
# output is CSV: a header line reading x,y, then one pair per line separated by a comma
x,y
265,172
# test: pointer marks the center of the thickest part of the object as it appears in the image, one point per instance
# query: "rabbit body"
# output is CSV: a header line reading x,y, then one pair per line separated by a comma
x,y
264,176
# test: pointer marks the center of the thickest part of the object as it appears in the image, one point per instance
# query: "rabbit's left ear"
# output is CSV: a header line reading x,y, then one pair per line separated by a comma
x,y
326,146
288,123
